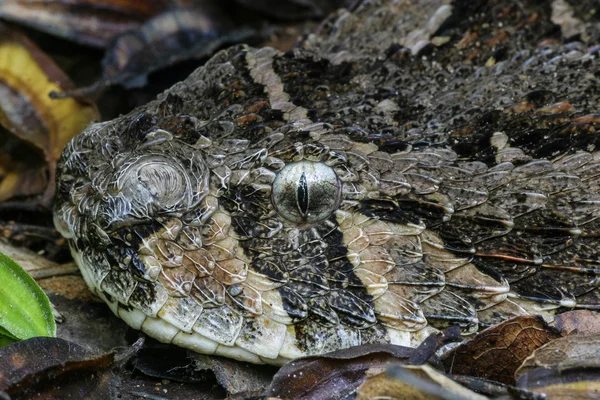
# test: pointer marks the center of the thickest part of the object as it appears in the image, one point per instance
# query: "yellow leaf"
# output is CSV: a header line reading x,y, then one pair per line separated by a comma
x,y
27,76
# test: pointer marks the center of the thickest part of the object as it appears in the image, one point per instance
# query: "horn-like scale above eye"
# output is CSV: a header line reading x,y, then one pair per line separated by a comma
x,y
306,192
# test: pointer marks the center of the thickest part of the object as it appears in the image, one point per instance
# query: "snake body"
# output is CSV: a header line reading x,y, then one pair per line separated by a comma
x,y
406,168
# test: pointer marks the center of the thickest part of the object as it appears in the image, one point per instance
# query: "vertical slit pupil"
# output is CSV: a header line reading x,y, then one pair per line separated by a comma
x,y
303,194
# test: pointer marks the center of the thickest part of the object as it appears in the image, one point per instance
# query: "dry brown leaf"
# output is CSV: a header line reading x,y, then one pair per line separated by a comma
x,y
170,37
34,120
588,389
565,368
578,322
89,22
420,382
45,367
297,9
175,364
35,265
23,171
497,352
234,376
577,351
335,375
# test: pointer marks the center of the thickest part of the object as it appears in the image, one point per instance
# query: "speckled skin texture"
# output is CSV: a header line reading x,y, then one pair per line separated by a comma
x,y
464,139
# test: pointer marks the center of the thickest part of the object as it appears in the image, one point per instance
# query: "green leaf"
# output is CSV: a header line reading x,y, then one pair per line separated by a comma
x,y
5,341
7,334
25,310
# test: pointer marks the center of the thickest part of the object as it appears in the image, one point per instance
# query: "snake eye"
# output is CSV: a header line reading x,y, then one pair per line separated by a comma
x,y
306,192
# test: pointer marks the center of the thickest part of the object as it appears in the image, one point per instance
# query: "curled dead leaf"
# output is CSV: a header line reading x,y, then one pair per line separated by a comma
x,y
166,39
585,388
577,351
335,375
35,121
498,351
494,389
578,322
38,366
162,361
413,383
234,376
89,22
298,9
565,368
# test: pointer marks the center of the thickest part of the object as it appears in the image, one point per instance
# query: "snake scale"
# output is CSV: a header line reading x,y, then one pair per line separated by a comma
x,y
407,167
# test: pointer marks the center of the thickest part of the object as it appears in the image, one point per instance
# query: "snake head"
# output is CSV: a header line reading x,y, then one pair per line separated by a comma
x,y
220,218
274,205
198,235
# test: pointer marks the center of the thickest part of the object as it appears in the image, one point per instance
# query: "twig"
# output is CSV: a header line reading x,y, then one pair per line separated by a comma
x,y
59,270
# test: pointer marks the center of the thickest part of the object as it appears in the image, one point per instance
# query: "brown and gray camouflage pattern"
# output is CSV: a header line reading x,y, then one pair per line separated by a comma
x,y
464,138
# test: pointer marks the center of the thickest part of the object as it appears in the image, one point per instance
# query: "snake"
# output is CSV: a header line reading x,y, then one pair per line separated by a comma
x,y
407,167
